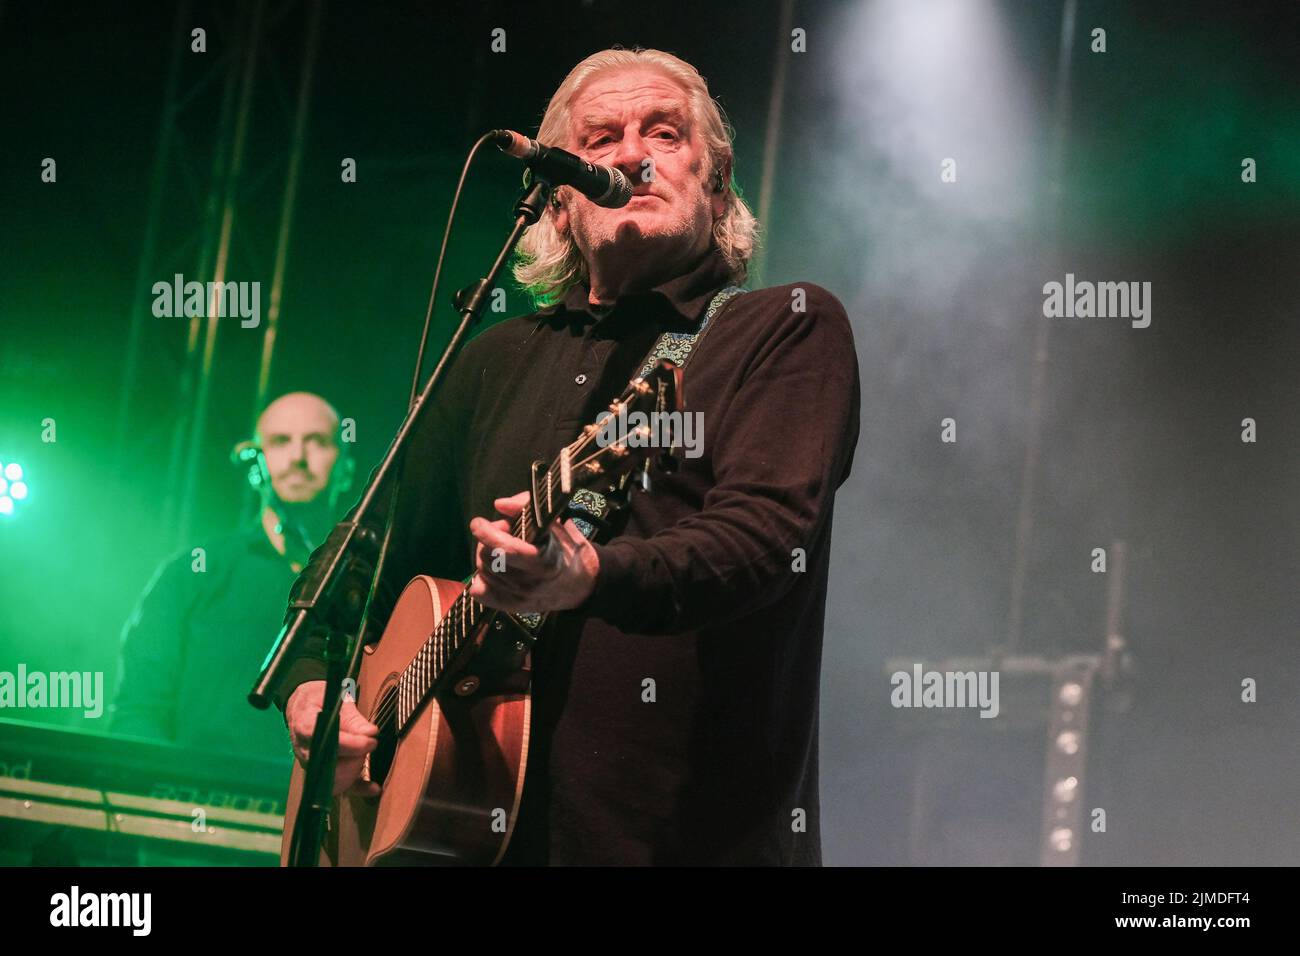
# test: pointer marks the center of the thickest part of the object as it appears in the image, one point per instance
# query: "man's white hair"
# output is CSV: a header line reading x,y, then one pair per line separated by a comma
x,y
548,265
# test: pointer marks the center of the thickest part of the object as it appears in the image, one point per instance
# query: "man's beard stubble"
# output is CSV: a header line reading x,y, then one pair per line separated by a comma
x,y
305,524
671,237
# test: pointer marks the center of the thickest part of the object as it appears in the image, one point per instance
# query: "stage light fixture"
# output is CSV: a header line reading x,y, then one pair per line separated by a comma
x,y
12,486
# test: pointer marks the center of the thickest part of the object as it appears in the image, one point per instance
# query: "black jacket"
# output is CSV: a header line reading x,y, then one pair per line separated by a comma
x,y
675,713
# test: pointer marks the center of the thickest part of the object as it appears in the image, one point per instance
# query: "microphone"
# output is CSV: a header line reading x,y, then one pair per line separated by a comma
x,y
603,185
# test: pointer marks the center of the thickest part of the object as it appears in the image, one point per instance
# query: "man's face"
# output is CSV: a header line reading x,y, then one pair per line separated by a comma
x,y
297,434
638,120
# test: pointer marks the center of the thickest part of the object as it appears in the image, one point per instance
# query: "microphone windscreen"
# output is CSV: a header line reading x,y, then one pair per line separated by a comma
x,y
620,190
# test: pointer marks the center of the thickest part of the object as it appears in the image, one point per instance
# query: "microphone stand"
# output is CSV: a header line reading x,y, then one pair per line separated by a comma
x,y
333,592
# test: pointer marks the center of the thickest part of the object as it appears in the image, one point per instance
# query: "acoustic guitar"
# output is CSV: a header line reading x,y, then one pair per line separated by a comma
x,y
447,684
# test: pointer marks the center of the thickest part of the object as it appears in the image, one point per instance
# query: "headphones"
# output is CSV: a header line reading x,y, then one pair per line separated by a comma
x,y
248,454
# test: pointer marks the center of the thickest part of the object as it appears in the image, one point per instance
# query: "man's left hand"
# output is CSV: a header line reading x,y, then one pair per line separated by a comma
x,y
555,577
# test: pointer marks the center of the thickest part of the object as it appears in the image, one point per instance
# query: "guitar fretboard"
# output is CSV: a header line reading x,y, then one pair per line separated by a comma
x,y
466,616
584,463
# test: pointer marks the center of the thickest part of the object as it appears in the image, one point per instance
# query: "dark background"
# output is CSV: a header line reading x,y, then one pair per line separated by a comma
x,y
1125,166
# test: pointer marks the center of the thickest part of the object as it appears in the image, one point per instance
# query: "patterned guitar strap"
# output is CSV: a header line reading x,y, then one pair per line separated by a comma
x,y
588,509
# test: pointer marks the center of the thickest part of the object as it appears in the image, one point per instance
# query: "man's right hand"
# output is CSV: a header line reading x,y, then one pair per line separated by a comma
x,y
357,736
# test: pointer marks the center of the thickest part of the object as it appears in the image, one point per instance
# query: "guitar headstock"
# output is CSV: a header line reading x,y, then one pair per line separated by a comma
x,y
640,425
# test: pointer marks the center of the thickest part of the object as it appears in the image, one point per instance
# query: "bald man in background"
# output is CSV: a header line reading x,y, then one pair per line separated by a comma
x,y
194,644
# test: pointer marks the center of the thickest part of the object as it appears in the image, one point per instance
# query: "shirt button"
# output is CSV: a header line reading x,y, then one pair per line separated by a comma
x,y
580,380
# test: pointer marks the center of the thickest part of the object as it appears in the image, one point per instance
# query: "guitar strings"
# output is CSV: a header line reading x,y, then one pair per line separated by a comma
x,y
390,702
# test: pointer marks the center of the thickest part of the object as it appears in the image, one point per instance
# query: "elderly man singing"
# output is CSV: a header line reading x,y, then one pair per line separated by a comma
x,y
675,693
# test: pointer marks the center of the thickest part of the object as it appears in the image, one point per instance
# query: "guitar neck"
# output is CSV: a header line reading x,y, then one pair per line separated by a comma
x,y
598,458
552,493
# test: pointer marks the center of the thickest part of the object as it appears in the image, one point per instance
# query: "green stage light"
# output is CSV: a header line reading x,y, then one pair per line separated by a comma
x,y
12,487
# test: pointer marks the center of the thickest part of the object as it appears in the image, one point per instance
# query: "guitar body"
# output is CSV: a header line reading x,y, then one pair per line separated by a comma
x,y
448,682
453,777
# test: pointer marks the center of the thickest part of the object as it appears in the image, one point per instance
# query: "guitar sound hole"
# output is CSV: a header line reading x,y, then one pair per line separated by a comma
x,y
381,758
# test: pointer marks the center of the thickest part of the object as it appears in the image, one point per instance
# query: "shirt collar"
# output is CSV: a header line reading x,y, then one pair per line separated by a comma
x,y
687,295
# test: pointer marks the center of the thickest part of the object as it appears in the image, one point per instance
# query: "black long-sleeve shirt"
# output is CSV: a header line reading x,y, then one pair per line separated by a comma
x,y
194,644
714,589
